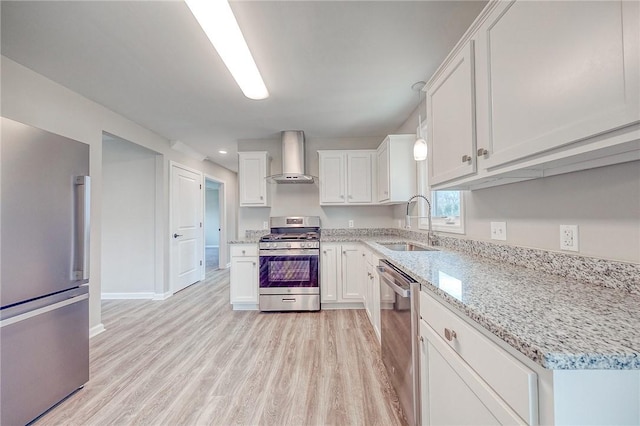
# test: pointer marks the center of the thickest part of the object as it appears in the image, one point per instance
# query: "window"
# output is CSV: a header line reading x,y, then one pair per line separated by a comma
x,y
447,207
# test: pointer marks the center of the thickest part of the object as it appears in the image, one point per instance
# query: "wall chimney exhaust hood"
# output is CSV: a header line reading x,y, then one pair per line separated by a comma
x,y
293,159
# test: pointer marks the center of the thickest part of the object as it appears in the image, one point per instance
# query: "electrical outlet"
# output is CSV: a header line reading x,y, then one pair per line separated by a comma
x,y
265,225
569,237
351,224
499,231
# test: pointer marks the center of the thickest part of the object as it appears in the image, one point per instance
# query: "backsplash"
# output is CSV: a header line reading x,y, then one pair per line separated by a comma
x,y
602,272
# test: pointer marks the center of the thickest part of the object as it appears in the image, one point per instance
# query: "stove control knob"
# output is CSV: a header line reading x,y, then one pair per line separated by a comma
x,y
288,245
272,245
303,245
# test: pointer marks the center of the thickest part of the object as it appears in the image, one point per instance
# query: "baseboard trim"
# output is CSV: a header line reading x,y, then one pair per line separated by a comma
x,y
162,296
246,307
340,305
139,295
95,330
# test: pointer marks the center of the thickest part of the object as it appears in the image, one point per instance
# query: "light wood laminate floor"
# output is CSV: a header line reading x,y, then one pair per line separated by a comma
x,y
192,360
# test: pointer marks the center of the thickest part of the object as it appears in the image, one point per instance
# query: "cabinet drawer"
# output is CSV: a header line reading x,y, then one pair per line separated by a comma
x,y
244,250
515,383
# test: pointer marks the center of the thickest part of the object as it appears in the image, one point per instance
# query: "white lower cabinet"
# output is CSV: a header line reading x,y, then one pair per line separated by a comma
x,y
352,272
466,378
372,291
341,275
244,276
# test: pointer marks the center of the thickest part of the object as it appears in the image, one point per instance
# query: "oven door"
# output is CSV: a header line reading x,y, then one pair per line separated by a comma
x,y
289,269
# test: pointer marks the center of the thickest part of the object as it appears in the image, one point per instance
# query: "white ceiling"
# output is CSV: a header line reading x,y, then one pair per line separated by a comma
x,y
333,68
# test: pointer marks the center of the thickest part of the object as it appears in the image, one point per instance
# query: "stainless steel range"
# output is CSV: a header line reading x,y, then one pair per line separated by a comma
x,y
289,265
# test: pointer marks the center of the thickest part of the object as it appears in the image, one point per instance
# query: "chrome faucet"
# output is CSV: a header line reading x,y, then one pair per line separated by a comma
x,y
407,220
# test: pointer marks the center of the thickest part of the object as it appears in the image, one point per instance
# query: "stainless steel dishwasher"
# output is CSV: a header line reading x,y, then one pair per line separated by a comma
x,y
399,335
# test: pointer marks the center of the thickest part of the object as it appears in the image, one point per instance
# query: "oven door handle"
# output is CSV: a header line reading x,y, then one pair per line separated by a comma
x,y
288,252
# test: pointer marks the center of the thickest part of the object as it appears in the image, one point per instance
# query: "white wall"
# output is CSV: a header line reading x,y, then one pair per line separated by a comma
x,y
33,99
212,217
604,203
128,219
304,199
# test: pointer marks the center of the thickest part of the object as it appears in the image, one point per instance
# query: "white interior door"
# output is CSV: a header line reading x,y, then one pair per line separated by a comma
x,y
186,227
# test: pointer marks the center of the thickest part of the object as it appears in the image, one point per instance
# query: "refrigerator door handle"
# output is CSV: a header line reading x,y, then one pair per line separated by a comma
x,y
82,228
43,310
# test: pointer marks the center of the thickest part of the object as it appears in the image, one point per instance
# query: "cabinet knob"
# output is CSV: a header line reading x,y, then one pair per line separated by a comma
x,y
422,339
341,196
254,263
350,196
482,152
261,197
243,252
450,334
324,251
466,159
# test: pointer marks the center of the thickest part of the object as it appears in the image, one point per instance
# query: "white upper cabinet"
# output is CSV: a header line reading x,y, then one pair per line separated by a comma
x,y
536,89
346,177
451,118
252,173
557,73
396,177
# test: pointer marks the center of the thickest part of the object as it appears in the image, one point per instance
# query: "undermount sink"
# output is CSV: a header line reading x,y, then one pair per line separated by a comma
x,y
406,247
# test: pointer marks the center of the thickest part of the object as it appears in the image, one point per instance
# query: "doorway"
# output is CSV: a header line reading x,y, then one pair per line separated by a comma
x,y
214,229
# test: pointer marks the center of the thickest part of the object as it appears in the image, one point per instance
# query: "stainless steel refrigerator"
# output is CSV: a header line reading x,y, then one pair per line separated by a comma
x,y
44,257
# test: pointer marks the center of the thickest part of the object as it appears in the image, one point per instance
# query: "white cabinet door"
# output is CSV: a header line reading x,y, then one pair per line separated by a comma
x,y
352,272
359,177
396,169
330,274
451,118
446,398
244,280
557,73
382,157
252,173
332,177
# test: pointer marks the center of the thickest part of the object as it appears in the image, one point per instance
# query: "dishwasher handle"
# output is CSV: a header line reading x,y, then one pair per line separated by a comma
x,y
403,292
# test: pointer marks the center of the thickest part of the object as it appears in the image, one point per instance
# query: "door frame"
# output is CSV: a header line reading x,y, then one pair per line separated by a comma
x,y
223,261
169,237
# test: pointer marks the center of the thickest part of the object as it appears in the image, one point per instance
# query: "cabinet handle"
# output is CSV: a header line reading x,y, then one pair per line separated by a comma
x,y
341,196
254,263
482,152
243,252
261,197
350,196
422,339
466,159
450,334
324,251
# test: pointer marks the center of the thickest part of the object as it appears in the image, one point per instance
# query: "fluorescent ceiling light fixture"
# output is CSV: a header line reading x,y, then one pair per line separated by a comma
x,y
220,25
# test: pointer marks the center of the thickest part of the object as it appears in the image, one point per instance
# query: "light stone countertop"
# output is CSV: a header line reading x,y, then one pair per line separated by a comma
x,y
558,322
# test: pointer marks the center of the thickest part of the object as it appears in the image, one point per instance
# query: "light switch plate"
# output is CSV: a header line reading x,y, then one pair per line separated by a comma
x,y
499,231
265,225
569,237
350,223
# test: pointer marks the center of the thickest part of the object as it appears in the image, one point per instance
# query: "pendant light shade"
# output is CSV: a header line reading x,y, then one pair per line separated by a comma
x,y
420,150
420,147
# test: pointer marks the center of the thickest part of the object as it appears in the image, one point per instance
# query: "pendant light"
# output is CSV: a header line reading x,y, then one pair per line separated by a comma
x,y
420,148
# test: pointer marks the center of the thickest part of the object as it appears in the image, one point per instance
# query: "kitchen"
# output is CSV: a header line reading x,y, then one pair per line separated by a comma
x,y
602,201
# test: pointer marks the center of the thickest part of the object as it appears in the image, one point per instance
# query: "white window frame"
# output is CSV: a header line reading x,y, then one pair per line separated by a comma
x,y
423,186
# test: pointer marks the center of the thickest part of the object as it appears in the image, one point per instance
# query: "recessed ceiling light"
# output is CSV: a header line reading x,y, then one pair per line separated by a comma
x,y
220,25
222,151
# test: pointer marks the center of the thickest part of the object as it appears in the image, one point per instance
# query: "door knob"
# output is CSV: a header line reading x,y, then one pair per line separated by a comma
x,y
177,235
